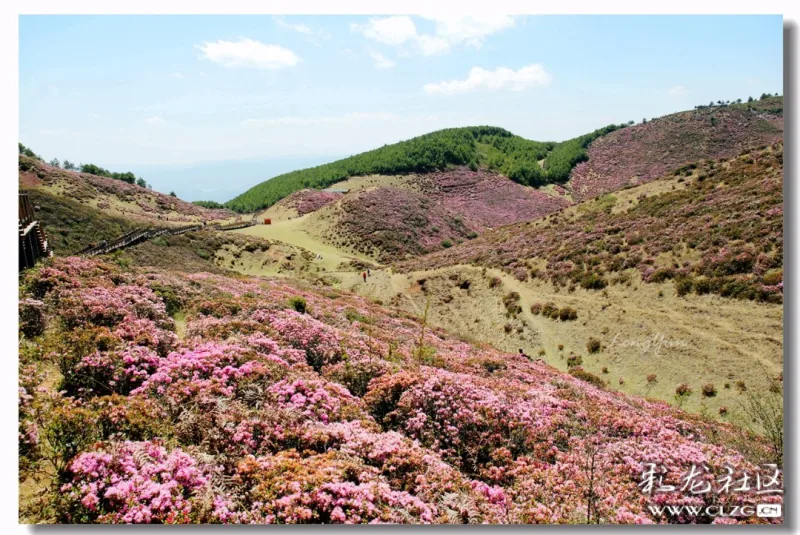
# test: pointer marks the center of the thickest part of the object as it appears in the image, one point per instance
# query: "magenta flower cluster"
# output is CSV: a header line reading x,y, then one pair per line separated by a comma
x,y
261,414
136,482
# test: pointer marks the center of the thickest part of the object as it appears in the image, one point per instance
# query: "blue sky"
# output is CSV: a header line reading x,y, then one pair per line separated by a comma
x,y
168,96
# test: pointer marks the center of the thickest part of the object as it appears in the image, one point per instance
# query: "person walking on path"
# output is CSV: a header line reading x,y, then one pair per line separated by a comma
x,y
369,274
364,275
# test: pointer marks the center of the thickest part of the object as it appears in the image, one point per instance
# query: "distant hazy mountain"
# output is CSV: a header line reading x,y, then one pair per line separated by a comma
x,y
220,181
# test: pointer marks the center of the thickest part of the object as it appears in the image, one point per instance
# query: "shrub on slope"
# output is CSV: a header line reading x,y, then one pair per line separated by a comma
x,y
395,223
643,152
310,200
441,209
486,199
72,226
722,233
245,420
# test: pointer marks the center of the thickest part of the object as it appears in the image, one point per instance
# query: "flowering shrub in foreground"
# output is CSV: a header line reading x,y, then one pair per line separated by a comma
x,y
134,482
315,400
31,317
322,344
326,488
107,372
209,368
261,414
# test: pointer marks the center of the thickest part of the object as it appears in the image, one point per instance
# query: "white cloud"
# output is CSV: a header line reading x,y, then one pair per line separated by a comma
x,y
449,31
392,31
313,36
346,119
248,53
381,61
676,91
501,78
94,115
470,30
431,45
299,28
177,75
155,120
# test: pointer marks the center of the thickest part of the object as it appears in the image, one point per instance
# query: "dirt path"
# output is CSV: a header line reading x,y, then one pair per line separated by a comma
x,y
294,232
180,324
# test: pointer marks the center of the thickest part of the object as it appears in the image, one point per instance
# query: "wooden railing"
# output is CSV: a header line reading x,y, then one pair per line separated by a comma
x,y
32,238
237,225
134,237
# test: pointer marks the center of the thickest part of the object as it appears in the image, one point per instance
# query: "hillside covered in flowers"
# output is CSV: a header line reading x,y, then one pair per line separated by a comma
x,y
150,396
646,151
133,202
717,230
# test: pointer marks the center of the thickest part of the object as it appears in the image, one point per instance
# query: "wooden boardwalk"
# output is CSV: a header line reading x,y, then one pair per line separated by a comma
x,y
133,237
32,238
33,241
143,234
237,225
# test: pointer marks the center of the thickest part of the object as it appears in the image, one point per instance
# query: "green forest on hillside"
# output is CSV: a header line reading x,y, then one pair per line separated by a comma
x,y
486,146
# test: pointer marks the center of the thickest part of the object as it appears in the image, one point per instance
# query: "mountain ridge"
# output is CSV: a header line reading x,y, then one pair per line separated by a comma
x,y
527,162
706,129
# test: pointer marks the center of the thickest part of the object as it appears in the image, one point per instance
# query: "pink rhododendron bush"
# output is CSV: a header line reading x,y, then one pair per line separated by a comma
x,y
310,200
267,401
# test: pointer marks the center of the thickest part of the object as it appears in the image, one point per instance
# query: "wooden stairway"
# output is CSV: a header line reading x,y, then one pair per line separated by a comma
x,y
32,237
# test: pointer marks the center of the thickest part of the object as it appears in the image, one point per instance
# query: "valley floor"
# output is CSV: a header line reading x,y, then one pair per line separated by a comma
x,y
295,232
644,330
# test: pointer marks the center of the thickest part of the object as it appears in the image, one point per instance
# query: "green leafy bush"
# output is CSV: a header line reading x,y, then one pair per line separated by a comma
x,y
567,314
354,315
209,204
574,360
589,377
298,304
592,281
